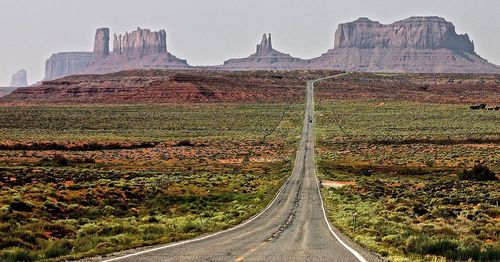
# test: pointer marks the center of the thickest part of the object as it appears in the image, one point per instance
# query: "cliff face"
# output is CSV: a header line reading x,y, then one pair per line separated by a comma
x,y
66,63
417,44
415,32
101,43
140,42
19,79
265,58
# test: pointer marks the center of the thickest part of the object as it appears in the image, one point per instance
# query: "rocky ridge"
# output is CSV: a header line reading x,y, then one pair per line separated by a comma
x,y
207,86
169,86
265,57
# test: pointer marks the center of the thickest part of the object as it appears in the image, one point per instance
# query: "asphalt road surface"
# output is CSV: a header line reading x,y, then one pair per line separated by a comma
x,y
292,228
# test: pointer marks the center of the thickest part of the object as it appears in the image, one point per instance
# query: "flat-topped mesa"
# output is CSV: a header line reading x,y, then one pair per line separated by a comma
x,y
67,63
19,79
101,43
416,45
140,42
265,45
415,32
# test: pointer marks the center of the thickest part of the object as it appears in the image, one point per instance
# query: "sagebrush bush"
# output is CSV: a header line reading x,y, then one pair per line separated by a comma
x,y
429,246
17,254
57,249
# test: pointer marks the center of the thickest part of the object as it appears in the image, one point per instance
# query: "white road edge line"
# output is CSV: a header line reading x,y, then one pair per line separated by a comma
x,y
207,236
354,252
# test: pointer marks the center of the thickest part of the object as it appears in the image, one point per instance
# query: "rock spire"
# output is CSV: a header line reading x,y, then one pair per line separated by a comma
x,y
101,43
140,42
265,45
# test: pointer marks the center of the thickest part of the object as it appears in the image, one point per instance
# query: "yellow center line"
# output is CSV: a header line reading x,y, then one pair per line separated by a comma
x,y
239,259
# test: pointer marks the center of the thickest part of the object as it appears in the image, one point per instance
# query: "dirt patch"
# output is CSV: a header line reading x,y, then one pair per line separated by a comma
x,y
336,184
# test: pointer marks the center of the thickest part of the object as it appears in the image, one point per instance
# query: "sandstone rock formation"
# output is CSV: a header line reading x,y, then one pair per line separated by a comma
x,y
265,58
417,44
19,79
140,42
415,32
66,63
101,43
414,45
265,45
140,49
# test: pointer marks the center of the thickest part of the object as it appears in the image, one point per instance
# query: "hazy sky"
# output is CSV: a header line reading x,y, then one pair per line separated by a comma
x,y
207,32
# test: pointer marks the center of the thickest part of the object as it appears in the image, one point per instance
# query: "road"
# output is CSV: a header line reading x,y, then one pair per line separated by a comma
x,y
292,228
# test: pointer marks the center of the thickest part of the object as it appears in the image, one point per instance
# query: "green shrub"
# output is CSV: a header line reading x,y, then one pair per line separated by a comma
x,y
428,246
451,249
112,230
88,229
479,172
17,254
191,226
57,249
153,229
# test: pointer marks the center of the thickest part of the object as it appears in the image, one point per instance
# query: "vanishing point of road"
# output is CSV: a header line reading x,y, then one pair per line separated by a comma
x,y
293,227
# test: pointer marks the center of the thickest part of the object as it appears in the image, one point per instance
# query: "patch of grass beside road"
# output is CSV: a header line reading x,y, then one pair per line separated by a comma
x,y
414,196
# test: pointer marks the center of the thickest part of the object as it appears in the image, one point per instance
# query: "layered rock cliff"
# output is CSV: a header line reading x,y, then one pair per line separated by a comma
x,y
66,63
417,44
265,58
140,42
140,49
19,79
415,32
169,86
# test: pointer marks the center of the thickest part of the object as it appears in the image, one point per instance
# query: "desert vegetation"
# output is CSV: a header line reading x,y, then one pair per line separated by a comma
x,y
92,179
423,178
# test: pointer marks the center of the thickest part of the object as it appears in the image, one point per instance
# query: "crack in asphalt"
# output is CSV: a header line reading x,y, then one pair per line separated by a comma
x,y
291,217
